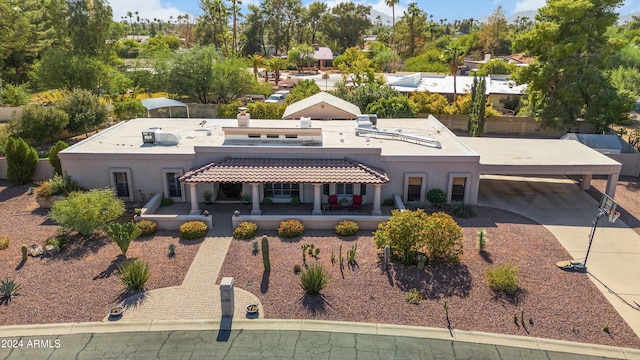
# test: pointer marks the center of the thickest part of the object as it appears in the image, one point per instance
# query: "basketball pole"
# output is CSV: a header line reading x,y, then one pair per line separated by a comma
x,y
601,212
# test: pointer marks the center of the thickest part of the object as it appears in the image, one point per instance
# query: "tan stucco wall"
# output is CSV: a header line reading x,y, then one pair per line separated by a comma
x,y
43,169
510,125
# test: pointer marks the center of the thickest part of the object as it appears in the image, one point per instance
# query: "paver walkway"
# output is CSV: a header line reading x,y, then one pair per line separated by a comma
x,y
198,297
568,212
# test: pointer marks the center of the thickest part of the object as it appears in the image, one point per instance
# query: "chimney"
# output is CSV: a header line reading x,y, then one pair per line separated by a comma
x,y
243,117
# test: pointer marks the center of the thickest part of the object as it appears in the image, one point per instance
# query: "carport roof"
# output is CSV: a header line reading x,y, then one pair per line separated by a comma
x,y
500,156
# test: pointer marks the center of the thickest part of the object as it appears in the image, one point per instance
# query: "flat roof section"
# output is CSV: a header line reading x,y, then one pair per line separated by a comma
x,y
500,156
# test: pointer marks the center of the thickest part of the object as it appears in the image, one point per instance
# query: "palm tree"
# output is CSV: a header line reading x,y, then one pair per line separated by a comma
x,y
454,57
256,61
276,64
392,4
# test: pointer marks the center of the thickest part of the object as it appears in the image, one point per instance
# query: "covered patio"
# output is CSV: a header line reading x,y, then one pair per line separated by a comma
x,y
314,171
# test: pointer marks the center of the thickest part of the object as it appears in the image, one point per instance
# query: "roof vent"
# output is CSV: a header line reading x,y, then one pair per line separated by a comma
x,y
243,117
305,122
156,136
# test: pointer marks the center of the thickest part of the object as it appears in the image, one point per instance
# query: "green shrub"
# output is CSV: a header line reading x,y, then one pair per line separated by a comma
x,y
54,159
444,238
245,230
266,202
314,279
388,202
22,160
58,185
290,228
192,230
437,197
166,202
134,274
58,242
86,212
4,242
295,201
463,211
148,227
503,278
122,234
404,232
413,296
347,228
8,288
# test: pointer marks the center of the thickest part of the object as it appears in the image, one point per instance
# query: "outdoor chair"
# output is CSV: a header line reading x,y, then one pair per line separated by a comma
x,y
333,202
356,202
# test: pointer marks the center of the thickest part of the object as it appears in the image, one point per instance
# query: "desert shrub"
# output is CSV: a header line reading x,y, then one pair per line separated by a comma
x,y
266,202
134,274
166,202
148,227
314,279
192,230
290,228
443,238
437,197
503,278
245,230
58,185
4,242
347,228
404,233
85,212
8,288
463,211
58,242
413,296
54,159
122,234
22,160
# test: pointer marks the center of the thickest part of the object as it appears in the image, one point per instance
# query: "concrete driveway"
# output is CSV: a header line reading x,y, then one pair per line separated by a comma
x,y
568,212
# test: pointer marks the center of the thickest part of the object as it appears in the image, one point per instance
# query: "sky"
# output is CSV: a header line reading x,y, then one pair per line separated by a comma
x,y
440,9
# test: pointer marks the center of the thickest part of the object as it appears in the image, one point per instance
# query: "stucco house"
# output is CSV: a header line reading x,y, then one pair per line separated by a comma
x,y
310,160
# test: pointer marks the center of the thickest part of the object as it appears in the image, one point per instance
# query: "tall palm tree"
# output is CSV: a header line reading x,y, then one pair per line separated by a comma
x,y
454,57
392,4
256,60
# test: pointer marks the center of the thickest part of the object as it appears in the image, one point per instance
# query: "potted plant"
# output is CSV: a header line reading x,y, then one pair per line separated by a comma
x,y
207,197
116,311
245,198
252,309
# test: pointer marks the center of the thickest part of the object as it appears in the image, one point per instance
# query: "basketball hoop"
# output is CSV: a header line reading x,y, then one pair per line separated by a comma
x,y
614,216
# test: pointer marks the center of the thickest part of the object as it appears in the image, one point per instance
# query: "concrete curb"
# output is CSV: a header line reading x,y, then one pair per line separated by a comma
x,y
325,326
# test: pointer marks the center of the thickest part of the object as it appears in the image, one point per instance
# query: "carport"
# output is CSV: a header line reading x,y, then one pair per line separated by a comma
x,y
543,157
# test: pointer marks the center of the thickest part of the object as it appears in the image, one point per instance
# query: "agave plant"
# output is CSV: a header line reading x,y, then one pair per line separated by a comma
x,y
8,288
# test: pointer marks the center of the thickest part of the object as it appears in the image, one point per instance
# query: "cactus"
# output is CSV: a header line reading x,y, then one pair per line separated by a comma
x,y
351,254
387,253
341,258
24,252
265,254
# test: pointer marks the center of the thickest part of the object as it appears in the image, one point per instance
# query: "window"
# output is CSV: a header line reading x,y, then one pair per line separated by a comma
x,y
291,136
122,183
281,190
344,189
414,189
254,136
173,184
273,136
457,189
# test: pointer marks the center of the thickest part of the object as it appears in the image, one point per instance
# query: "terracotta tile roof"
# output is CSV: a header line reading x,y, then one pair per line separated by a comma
x,y
286,170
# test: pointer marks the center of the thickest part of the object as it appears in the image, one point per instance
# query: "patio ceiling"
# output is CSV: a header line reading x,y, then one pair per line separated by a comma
x,y
286,170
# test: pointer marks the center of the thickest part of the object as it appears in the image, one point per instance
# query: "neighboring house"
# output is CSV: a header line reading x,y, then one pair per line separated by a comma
x,y
323,56
322,106
498,86
286,159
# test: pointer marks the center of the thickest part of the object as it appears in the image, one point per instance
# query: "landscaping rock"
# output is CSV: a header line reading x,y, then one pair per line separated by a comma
x,y
36,250
52,250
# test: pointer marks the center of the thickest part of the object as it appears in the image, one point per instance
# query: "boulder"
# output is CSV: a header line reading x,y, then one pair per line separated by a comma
x,y
52,250
36,250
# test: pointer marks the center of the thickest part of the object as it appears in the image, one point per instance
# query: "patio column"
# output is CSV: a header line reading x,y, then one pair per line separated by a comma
x,y
377,189
255,200
193,193
612,182
585,184
317,197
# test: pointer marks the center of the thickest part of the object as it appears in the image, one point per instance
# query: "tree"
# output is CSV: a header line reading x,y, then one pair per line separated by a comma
x,y
122,234
301,55
84,109
426,102
59,69
355,67
129,109
303,90
429,61
86,212
411,31
316,11
478,106
230,79
392,107
89,23
277,65
346,24
211,26
256,60
392,5
490,35
496,67
454,57
54,159
567,79
191,73
14,95
22,160
38,122
364,95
